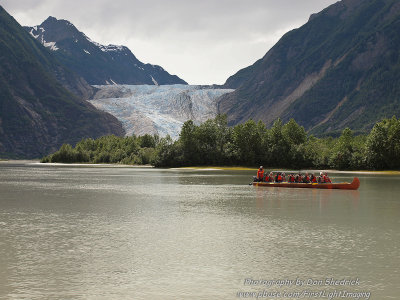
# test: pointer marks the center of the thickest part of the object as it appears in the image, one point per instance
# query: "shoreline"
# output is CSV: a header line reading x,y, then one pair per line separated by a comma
x,y
37,162
225,168
219,168
18,161
214,168
198,168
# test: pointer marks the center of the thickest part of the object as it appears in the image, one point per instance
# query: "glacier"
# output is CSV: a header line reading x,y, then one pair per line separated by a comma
x,y
156,109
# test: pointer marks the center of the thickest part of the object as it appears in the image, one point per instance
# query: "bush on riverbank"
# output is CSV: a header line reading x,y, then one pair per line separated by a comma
x,y
108,149
214,143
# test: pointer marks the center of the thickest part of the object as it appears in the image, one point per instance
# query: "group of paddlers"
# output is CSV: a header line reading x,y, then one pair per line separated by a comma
x,y
291,177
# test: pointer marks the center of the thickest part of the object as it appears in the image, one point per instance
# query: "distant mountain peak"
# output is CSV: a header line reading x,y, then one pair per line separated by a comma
x,y
50,19
341,9
98,64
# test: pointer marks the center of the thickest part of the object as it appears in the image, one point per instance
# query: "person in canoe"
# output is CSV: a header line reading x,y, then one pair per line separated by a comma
x,y
313,179
306,178
270,177
298,178
278,177
291,178
326,178
320,178
260,174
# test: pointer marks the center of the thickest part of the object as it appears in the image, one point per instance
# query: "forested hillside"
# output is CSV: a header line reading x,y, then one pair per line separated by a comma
x,y
37,113
341,69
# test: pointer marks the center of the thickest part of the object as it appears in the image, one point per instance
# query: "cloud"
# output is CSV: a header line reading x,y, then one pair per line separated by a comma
x,y
203,42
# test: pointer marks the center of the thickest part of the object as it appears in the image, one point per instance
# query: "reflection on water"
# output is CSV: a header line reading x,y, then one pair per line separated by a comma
x,y
137,233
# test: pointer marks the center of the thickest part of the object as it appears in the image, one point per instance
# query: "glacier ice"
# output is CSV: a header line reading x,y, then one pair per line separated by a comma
x,y
157,109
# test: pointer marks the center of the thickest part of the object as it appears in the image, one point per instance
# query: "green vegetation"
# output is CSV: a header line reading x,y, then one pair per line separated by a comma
x,y
214,143
108,149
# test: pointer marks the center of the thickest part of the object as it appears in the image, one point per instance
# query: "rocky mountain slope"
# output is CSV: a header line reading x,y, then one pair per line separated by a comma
x,y
37,113
341,69
158,109
96,63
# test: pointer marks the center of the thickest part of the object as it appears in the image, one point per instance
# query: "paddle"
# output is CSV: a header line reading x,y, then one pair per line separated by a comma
x,y
254,179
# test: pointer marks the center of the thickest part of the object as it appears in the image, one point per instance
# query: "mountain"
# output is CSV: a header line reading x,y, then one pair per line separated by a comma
x,y
158,109
96,63
37,113
341,69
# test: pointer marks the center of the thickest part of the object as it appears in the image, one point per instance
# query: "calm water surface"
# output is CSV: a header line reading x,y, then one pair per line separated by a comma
x,y
83,232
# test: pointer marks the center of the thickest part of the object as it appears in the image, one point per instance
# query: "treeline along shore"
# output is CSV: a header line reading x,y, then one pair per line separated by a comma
x,y
214,143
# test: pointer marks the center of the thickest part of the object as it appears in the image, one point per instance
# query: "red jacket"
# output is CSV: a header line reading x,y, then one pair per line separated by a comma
x,y
326,179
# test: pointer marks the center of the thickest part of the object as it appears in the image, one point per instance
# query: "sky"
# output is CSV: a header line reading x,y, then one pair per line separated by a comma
x,y
202,41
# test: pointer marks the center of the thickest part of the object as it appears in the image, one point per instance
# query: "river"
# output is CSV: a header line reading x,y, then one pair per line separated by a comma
x,y
106,232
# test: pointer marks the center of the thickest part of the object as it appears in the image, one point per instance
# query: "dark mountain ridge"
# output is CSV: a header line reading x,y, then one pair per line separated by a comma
x,y
341,69
98,64
37,113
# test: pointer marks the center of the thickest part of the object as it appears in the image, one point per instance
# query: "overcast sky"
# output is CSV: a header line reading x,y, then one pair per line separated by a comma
x,y
201,41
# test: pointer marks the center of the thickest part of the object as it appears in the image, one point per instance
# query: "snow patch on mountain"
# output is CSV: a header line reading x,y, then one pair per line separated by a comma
x,y
37,32
35,29
158,109
111,48
51,45
32,34
154,81
104,48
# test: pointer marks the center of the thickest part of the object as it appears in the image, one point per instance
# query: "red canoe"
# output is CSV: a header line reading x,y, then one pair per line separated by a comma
x,y
342,186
